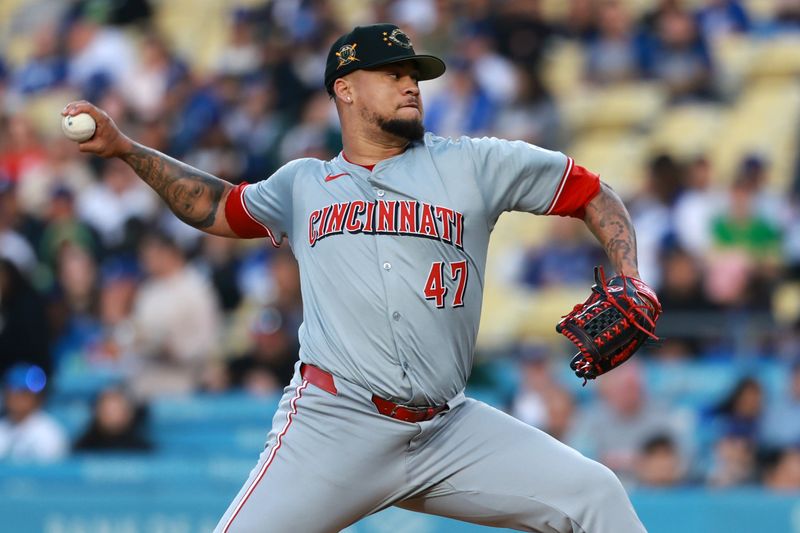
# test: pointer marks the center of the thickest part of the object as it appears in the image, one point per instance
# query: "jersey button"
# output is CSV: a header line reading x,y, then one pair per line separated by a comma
x,y
396,315
380,192
406,366
387,266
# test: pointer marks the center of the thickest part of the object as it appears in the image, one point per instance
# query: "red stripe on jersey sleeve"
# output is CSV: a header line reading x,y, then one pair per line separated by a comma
x,y
239,218
577,188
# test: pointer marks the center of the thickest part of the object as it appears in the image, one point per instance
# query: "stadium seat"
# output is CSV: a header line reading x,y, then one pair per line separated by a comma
x,y
734,56
688,130
763,121
777,58
182,21
562,71
618,158
614,108
233,408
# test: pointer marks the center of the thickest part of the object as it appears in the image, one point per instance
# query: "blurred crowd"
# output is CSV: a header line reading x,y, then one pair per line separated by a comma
x,y
97,277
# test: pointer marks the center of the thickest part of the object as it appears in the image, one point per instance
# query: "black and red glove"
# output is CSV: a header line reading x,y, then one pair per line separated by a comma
x,y
616,320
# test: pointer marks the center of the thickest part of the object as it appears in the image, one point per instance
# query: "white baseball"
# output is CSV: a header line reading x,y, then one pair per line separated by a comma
x,y
78,128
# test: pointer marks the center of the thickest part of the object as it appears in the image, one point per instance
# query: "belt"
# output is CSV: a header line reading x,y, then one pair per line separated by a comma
x,y
324,380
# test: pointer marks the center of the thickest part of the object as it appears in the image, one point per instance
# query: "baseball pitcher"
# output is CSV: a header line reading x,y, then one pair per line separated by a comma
x,y
391,238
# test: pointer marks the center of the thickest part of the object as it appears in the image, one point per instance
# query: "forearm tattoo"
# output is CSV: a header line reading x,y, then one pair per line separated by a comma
x,y
192,195
610,222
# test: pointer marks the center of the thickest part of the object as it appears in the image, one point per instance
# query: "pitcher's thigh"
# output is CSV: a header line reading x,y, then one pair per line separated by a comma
x,y
495,470
314,475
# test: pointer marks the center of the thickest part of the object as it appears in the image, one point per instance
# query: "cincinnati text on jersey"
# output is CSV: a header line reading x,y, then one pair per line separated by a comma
x,y
387,217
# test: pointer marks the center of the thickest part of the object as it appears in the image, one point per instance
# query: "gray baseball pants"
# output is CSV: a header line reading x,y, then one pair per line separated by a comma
x,y
331,460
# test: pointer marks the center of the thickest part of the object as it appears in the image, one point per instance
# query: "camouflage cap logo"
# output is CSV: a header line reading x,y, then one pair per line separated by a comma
x,y
397,37
346,54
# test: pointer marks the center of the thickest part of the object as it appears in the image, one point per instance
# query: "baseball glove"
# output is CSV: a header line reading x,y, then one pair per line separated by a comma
x,y
616,320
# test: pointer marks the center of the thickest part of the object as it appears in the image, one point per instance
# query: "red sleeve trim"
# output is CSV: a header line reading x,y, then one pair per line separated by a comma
x,y
560,187
241,221
577,188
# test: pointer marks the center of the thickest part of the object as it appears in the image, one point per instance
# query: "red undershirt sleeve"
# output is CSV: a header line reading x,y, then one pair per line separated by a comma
x,y
240,219
577,188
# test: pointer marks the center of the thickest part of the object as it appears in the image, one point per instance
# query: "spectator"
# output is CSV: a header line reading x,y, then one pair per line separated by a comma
x,y
560,413
733,460
581,21
287,297
493,74
688,312
99,56
24,335
614,428
21,147
175,320
462,108
220,263
117,425
257,126
782,470
786,16
615,55
678,57
268,366
314,135
649,21
145,85
13,246
421,15
64,227
521,32
46,69
111,204
697,206
753,174
782,418
533,115
658,464
740,412
540,401
652,211
747,252
73,309
242,55
118,284
718,18
62,167
27,433
682,284
529,403
564,259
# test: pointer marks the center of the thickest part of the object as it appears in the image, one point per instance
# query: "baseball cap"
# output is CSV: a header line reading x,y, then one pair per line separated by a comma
x,y
372,46
25,377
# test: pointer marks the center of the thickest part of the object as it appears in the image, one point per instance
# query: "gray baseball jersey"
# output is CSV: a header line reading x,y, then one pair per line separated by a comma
x,y
392,270
392,260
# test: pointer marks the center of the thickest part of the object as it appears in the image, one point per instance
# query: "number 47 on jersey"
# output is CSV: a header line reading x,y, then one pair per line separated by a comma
x,y
436,286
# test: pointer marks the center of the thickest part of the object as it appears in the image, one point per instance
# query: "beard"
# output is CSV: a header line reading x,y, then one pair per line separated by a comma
x,y
408,129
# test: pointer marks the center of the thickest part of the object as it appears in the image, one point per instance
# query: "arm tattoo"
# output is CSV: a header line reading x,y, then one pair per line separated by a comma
x,y
610,222
192,195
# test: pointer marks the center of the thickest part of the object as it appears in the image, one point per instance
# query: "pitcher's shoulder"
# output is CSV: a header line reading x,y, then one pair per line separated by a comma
x,y
299,169
436,143
463,142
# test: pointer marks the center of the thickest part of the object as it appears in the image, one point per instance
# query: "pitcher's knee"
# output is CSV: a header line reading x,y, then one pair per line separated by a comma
x,y
601,483
604,505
